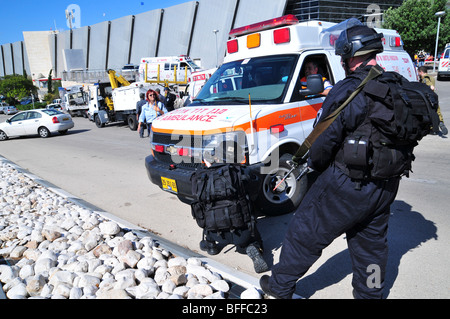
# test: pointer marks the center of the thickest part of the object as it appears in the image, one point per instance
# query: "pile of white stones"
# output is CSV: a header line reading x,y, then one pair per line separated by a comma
x,y
57,249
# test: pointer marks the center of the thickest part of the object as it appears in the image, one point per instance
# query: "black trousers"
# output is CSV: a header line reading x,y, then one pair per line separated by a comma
x,y
239,237
330,208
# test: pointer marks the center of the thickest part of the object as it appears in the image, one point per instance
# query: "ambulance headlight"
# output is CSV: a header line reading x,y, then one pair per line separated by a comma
x,y
227,147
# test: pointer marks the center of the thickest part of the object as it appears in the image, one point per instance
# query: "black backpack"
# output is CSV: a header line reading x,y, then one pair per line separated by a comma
x,y
400,114
222,202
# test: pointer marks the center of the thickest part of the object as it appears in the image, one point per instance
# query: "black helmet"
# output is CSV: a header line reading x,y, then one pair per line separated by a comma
x,y
358,40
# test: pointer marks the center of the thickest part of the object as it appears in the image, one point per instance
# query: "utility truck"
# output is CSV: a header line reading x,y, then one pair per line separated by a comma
x,y
253,110
117,102
74,100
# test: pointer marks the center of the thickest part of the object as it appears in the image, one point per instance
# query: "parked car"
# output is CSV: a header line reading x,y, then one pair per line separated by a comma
x,y
9,110
43,122
2,106
26,100
54,106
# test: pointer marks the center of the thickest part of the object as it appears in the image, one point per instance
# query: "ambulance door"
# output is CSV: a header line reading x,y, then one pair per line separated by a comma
x,y
181,71
308,106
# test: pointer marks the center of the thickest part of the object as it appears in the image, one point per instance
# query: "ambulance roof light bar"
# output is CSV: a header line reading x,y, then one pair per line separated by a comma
x,y
286,20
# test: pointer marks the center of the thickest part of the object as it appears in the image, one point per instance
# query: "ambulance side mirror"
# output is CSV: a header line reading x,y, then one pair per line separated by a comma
x,y
314,85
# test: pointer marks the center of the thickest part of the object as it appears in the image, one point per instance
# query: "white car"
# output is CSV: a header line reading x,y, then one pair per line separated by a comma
x,y
43,122
9,110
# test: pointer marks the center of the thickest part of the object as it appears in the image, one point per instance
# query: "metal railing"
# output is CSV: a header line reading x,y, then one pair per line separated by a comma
x,y
96,76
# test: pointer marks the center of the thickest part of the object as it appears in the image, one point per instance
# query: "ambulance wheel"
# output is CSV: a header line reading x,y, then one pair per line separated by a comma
x,y
288,194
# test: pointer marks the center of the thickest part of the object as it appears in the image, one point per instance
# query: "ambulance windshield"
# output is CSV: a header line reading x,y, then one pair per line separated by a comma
x,y
264,78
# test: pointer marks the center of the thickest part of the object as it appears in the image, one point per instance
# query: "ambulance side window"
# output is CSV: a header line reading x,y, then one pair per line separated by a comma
x,y
183,66
323,68
446,54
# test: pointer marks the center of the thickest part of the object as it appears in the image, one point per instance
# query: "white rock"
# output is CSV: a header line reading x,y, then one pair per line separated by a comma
x,y
168,286
146,263
200,271
177,261
62,276
161,275
201,290
88,280
109,228
19,291
113,294
43,265
26,271
147,290
220,285
181,291
251,293
131,258
75,293
62,289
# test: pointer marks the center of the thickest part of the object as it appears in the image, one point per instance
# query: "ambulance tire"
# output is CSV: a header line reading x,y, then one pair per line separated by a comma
x,y
287,197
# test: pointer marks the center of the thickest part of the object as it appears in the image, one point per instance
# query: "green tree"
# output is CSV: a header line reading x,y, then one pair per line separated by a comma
x,y
417,25
15,87
50,82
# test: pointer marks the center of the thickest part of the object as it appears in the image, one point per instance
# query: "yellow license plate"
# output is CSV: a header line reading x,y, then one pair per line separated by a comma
x,y
169,184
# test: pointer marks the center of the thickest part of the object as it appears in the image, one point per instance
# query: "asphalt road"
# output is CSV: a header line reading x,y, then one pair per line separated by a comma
x,y
105,167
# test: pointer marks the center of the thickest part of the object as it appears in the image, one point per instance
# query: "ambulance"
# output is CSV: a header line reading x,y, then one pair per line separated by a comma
x,y
253,110
444,63
171,68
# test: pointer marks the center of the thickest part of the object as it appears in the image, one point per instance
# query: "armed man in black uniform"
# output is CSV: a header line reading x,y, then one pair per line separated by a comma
x,y
336,203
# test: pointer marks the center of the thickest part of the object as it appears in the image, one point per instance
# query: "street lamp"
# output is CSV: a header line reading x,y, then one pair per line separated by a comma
x,y
217,50
439,15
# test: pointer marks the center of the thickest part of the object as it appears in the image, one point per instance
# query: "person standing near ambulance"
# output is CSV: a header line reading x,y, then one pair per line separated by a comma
x,y
151,110
336,204
431,82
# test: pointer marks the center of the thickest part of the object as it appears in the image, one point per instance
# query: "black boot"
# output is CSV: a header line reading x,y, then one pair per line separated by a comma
x,y
443,128
209,246
255,253
265,286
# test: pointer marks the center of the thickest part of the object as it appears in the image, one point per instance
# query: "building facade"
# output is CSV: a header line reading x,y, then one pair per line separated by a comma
x,y
340,10
185,29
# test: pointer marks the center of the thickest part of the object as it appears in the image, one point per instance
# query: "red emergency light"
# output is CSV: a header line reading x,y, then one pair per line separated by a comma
x,y
289,19
395,42
232,46
282,36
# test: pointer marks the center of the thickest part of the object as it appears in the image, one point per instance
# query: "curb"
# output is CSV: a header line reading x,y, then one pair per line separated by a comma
x,y
238,278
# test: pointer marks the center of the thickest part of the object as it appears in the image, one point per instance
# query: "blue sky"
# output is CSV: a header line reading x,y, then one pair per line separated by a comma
x,y
43,15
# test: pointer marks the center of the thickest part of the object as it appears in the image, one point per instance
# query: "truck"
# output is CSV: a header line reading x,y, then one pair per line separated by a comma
x,y
254,112
74,100
171,68
116,102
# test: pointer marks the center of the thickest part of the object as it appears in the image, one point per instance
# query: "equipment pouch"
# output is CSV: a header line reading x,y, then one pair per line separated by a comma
x,y
356,151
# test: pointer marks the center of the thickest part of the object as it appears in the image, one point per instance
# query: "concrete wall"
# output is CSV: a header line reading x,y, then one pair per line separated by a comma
x,y
37,53
186,29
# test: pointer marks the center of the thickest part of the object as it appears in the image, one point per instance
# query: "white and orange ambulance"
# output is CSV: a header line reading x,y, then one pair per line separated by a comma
x,y
253,110
444,63
170,68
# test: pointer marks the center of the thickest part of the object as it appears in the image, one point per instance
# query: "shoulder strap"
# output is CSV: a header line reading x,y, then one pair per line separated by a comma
x,y
303,150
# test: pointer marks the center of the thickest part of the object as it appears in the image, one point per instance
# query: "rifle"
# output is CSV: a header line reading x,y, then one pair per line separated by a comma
x,y
304,170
